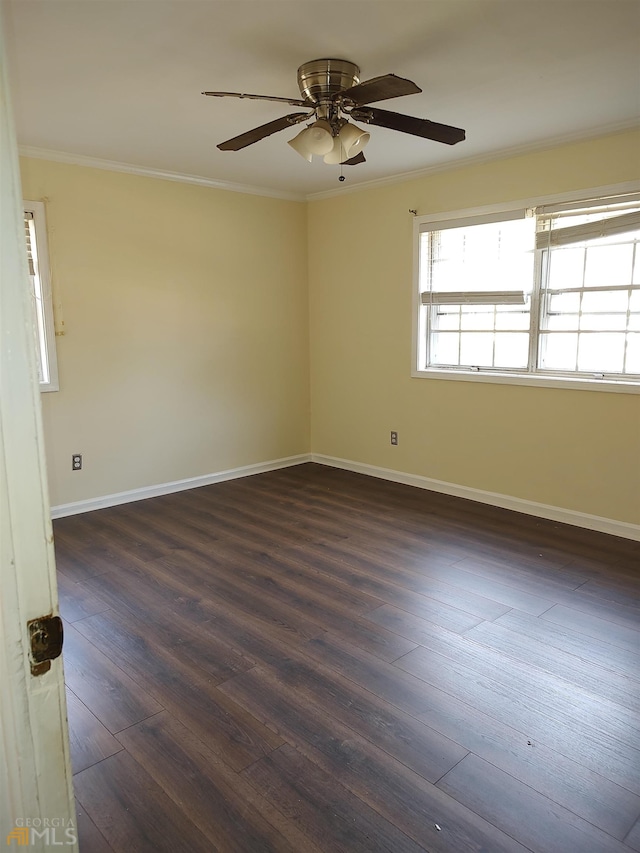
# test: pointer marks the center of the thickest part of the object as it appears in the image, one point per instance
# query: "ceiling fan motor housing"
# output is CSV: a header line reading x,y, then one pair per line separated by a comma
x,y
321,79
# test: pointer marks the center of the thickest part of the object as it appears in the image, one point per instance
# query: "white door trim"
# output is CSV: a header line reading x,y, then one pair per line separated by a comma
x,y
35,770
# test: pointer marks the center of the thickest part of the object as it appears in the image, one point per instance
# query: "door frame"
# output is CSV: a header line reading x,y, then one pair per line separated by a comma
x,y
35,770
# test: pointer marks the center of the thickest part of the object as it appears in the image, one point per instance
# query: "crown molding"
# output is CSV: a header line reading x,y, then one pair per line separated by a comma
x,y
268,192
463,163
145,172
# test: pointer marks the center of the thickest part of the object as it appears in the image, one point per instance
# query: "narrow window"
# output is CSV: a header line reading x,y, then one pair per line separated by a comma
x,y
37,256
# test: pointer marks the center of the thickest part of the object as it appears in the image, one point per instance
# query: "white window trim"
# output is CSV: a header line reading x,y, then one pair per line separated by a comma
x,y
504,377
37,209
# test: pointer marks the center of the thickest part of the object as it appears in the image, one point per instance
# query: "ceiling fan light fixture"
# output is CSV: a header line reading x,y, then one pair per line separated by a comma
x,y
331,92
353,139
318,137
315,139
349,142
337,153
298,143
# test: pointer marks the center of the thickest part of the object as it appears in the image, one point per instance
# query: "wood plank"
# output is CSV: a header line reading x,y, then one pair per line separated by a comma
x,y
292,580
110,532
341,821
575,595
90,839
89,740
222,805
565,780
215,580
158,632
379,585
132,811
133,587
562,698
622,614
92,545
503,593
401,689
72,562
614,761
633,838
266,613
318,701
542,580
374,638
619,590
531,818
243,526
366,568
568,782
184,689
625,662
557,718
265,638
77,601
112,695
593,626
596,679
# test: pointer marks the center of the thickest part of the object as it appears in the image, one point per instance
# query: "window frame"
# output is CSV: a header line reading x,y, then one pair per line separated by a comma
x,y
497,375
49,355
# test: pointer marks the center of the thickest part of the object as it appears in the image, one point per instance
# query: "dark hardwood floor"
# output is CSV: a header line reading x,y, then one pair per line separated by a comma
x,y
314,660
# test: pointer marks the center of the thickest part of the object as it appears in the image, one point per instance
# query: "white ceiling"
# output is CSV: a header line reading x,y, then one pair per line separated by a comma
x,y
120,80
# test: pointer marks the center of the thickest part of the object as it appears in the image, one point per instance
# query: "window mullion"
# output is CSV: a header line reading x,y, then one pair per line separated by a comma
x,y
538,295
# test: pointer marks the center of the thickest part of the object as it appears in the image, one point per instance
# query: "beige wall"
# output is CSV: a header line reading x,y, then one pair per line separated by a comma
x,y
186,329
187,348
579,450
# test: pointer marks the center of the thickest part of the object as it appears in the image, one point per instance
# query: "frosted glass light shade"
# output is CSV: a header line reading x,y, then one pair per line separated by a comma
x,y
353,139
349,142
316,139
337,153
319,138
298,144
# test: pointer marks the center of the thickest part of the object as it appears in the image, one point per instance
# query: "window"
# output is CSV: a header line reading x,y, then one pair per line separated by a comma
x,y
37,255
548,292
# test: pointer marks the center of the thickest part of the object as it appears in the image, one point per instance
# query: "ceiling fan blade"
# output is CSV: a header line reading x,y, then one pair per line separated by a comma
x,y
410,124
379,89
353,161
294,102
261,132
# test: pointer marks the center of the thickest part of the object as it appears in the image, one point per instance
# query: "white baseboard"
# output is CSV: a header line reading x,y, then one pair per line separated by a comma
x,y
553,513
177,486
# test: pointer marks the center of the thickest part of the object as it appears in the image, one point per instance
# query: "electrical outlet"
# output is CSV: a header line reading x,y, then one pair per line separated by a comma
x,y
76,462
394,438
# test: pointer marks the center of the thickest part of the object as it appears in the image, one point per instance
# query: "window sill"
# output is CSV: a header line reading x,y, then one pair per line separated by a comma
x,y
537,380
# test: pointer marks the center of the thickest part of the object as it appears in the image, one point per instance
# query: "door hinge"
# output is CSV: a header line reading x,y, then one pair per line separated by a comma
x,y
45,638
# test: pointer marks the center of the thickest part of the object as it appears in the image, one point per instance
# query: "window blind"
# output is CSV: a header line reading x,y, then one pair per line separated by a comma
x,y
31,253
559,225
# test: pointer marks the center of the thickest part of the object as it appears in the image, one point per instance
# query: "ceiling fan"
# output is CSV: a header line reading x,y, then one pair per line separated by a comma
x,y
332,93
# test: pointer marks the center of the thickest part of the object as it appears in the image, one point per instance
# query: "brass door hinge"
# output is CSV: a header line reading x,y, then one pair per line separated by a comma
x,y
45,637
